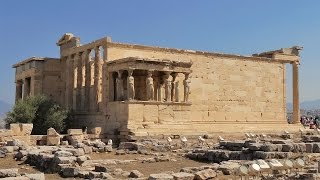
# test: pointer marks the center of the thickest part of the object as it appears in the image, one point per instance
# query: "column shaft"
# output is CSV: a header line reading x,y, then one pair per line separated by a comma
x,y
67,82
75,81
83,81
79,81
295,89
87,80
71,81
96,78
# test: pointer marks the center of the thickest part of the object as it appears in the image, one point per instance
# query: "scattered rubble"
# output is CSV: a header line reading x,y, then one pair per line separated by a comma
x,y
297,156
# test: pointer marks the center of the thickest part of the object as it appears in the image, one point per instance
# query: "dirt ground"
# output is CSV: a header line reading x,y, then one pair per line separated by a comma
x,y
9,162
145,168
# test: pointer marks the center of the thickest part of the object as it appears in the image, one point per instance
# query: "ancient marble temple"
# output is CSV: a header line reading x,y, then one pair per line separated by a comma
x,y
129,89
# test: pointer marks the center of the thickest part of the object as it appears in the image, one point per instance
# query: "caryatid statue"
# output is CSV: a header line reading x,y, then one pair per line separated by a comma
x,y
186,84
175,87
119,84
167,86
130,85
149,86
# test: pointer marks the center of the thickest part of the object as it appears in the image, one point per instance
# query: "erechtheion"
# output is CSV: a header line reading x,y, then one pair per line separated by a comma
x,y
142,90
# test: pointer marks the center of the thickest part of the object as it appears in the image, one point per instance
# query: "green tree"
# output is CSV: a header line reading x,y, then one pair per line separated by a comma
x,y
41,111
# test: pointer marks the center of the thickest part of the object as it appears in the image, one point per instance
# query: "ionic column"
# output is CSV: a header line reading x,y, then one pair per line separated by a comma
x,y
68,89
149,86
70,81
74,81
186,85
83,81
87,79
18,90
130,85
295,89
97,72
167,86
119,87
79,81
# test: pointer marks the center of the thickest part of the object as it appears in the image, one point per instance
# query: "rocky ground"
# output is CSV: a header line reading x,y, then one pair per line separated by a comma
x,y
234,156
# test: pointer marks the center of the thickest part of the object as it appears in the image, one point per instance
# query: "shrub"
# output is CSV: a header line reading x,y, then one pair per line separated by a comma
x,y
41,111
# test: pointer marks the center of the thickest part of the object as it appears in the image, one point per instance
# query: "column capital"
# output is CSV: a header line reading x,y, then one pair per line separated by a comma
x,y
296,63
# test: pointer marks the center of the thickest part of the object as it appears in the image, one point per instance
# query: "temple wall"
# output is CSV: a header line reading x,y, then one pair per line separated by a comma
x,y
45,77
52,80
90,120
224,89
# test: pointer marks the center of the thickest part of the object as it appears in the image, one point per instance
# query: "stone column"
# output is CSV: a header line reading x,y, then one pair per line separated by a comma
x,y
79,81
83,81
130,85
18,90
186,85
69,82
149,86
97,72
87,79
71,79
75,80
167,86
119,87
295,89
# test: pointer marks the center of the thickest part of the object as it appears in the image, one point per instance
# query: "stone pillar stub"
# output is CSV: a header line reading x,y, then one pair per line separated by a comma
x,y
295,90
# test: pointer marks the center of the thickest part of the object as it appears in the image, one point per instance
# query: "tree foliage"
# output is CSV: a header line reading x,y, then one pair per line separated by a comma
x,y
41,111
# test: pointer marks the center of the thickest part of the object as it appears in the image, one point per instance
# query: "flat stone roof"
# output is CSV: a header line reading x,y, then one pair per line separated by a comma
x,y
149,60
33,58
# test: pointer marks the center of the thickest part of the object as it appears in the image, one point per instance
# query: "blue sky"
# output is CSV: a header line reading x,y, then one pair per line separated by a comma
x,y
31,28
